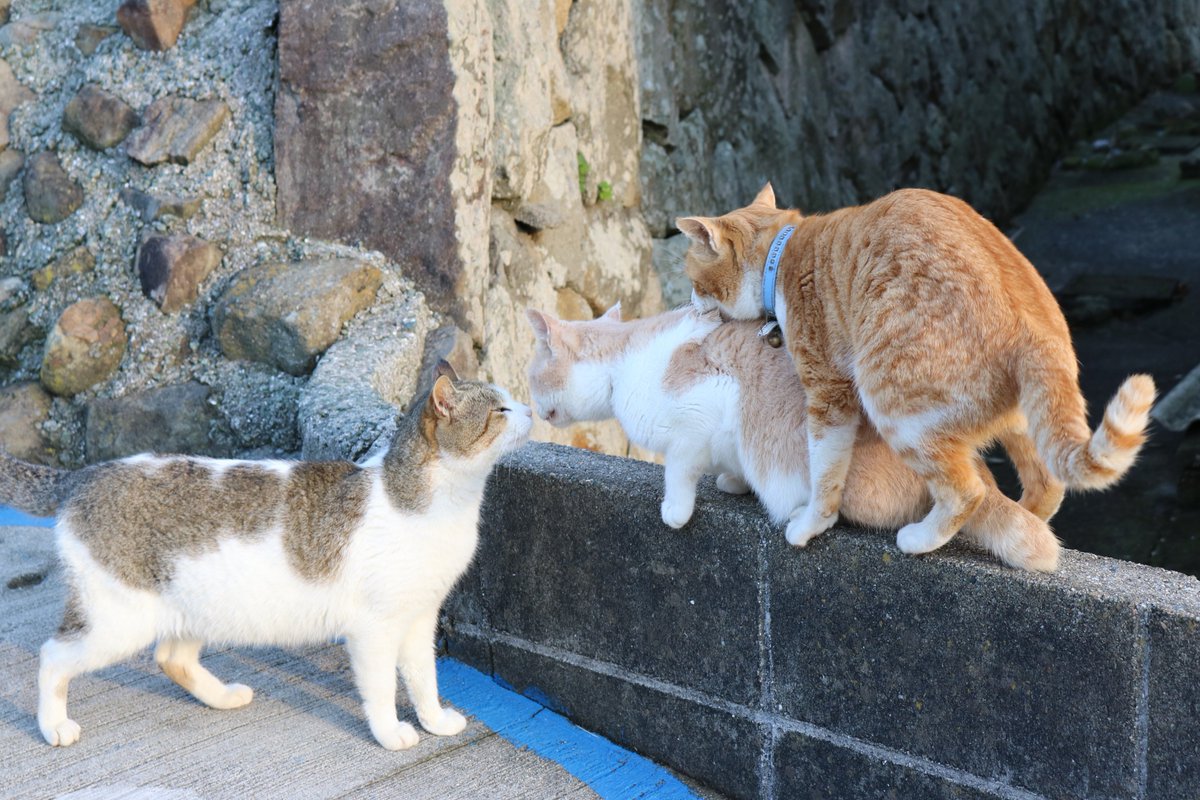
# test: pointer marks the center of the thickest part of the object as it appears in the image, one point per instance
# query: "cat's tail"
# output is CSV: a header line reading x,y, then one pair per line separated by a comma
x,y
1077,456
32,488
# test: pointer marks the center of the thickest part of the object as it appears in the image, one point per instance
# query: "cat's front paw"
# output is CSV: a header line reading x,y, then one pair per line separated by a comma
x,y
676,513
448,723
62,734
395,735
806,525
731,484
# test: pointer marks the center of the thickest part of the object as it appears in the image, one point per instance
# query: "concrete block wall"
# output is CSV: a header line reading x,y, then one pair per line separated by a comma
x,y
846,670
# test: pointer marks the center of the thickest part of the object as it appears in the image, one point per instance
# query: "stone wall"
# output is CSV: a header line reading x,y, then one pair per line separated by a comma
x,y
840,101
844,670
500,173
147,185
181,169
150,299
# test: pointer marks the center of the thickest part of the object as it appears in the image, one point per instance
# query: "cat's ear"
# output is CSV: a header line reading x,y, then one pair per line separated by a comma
x,y
443,397
444,368
613,313
702,230
765,196
541,324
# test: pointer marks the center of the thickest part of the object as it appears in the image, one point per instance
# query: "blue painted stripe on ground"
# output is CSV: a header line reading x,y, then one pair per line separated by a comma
x,y
610,771
11,516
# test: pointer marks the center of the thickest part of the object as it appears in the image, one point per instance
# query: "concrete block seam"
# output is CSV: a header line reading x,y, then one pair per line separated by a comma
x,y
773,722
766,656
1141,731
766,765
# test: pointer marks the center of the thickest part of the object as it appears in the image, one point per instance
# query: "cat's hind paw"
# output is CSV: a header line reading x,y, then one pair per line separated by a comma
x,y
920,537
236,695
395,736
448,723
62,734
805,526
731,484
677,514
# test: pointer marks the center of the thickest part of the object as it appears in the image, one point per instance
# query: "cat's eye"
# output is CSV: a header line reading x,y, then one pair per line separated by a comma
x,y
504,409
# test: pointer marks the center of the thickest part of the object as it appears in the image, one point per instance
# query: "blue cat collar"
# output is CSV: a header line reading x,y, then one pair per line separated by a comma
x,y
771,269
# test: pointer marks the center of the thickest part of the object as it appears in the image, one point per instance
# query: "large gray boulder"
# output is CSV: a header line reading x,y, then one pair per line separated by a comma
x,y
171,419
287,313
364,381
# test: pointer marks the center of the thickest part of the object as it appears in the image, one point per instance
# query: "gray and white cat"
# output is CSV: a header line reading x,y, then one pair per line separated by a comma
x,y
185,551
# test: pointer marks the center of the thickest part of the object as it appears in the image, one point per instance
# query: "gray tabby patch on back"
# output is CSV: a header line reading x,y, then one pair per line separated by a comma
x,y
324,503
136,519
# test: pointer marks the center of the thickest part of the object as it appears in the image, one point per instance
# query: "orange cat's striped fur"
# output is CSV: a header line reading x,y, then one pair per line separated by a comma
x,y
918,313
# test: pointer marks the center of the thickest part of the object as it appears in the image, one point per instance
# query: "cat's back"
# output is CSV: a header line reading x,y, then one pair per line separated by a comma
x,y
740,371
948,231
770,395
916,251
139,516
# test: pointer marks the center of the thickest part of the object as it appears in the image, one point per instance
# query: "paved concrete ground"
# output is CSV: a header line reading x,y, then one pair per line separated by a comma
x,y
302,736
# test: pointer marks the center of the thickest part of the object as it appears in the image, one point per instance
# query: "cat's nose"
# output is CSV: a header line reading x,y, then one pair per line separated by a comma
x,y
550,414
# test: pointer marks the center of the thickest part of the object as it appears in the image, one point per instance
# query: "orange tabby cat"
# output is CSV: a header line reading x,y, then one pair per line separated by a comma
x,y
917,312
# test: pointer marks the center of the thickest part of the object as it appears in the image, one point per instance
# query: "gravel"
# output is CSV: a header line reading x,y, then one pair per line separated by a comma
x,y
226,52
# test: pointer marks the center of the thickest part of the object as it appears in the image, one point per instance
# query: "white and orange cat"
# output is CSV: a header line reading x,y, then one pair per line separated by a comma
x,y
185,551
716,399
916,314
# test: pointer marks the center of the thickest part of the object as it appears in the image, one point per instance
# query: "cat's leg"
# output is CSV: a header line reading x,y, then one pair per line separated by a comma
x,y
180,659
833,419
682,469
418,667
60,661
1041,492
373,659
1011,532
65,656
949,470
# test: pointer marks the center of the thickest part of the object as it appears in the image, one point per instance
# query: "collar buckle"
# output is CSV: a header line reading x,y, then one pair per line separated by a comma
x,y
771,333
